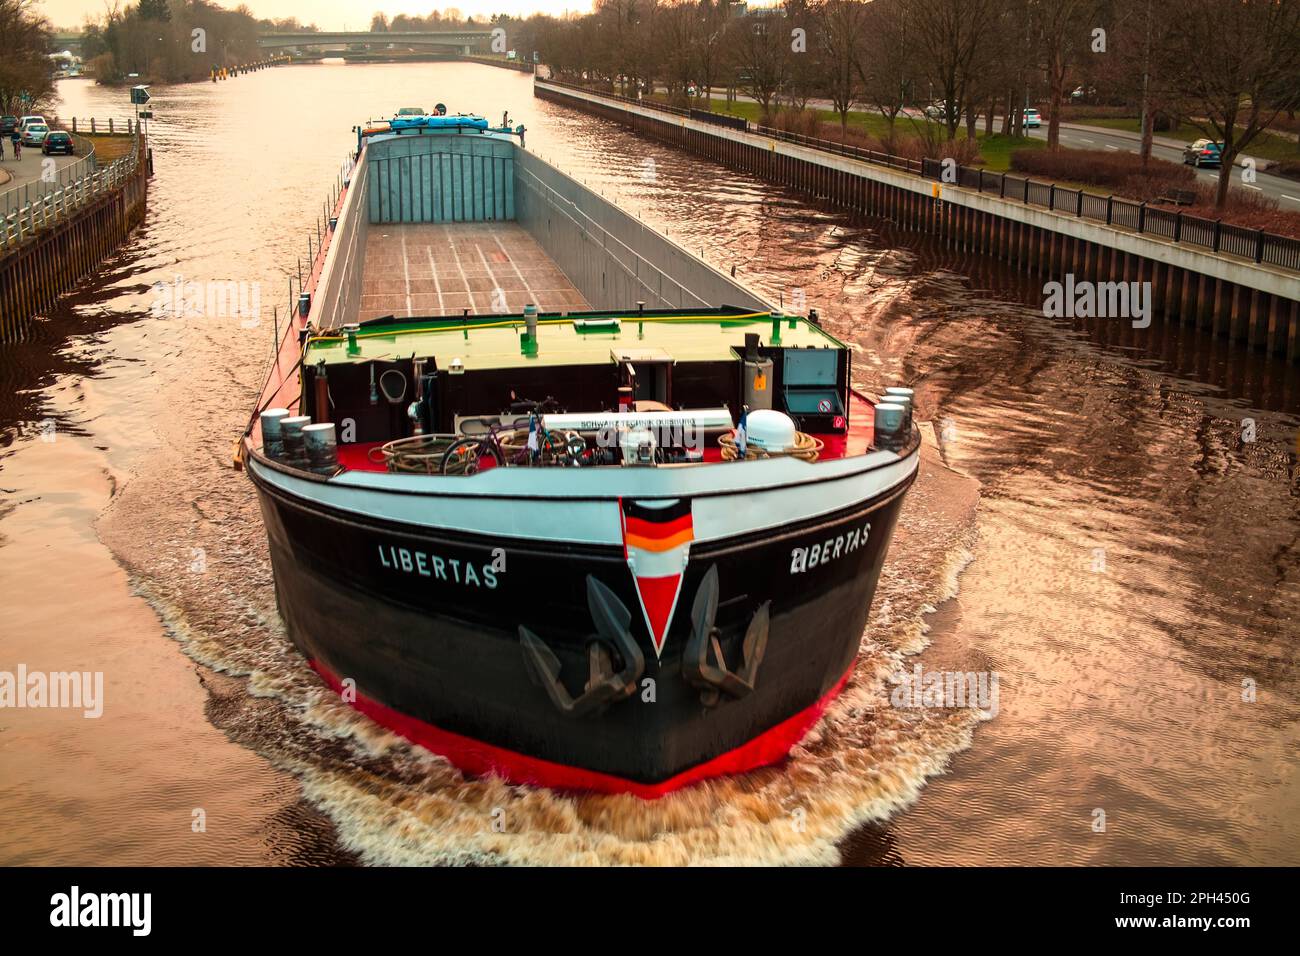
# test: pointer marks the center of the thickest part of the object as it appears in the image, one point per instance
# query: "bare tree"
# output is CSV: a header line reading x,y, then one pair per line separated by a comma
x,y
761,45
709,45
1236,64
952,36
886,59
840,39
1062,29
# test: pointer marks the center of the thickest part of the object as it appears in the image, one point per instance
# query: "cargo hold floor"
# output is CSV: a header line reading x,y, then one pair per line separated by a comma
x,y
446,268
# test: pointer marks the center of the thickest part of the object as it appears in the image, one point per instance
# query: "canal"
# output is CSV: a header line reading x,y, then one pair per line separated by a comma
x,y
1115,536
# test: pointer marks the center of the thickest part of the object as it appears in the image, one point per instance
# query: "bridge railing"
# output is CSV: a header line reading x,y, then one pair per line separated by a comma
x,y
1212,234
55,205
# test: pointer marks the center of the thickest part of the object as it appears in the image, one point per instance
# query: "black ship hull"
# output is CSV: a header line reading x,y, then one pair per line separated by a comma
x,y
428,630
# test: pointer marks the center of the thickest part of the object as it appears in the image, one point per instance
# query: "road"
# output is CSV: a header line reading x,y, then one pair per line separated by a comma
x,y
1286,191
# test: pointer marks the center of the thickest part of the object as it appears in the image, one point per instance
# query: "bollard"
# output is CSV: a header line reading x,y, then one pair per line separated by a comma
x,y
321,447
291,433
272,436
890,432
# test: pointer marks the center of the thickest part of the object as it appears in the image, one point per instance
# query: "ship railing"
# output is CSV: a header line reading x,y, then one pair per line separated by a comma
x,y
618,251
36,210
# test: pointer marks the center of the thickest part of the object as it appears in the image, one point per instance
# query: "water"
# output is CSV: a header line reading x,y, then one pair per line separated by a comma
x,y
1102,540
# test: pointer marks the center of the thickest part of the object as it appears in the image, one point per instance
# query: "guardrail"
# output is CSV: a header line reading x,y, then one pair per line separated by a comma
x,y
16,197
61,200
1212,234
95,125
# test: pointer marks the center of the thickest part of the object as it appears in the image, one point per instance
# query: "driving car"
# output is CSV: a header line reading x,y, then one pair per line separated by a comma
x,y
1203,152
1032,119
937,111
27,121
58,141
34,134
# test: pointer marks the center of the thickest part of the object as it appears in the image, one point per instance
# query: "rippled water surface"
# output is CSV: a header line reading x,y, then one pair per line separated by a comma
x,y
1089,526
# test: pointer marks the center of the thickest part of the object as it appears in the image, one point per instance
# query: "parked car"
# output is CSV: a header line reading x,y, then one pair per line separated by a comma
x,y
1203,152
58,141
1032,119
8,124
34,134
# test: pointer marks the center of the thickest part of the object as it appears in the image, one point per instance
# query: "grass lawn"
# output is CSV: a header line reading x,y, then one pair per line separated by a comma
x,y
1266,145
995,148
109,148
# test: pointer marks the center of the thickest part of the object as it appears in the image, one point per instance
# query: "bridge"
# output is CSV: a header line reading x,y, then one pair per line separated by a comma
x,y
66,41
451,41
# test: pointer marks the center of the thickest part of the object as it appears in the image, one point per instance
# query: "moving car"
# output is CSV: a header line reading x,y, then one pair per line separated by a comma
x,y
937,111
34,134
27,121
58,142
1032,119
1203,152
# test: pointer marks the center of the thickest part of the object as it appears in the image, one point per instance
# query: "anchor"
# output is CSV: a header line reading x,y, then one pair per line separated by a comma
x,y
603,686
713,680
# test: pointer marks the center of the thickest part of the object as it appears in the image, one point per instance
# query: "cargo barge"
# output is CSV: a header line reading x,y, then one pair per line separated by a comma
x,y
553,497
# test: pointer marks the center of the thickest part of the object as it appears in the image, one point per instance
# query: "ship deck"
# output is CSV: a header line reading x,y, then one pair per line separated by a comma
x,y
429,269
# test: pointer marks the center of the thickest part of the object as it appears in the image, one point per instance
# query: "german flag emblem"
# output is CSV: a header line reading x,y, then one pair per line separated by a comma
x,y
657,538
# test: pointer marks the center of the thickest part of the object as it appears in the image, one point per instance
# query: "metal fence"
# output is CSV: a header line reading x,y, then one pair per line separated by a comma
x,y
1141,217
40,209
1212,234
16,197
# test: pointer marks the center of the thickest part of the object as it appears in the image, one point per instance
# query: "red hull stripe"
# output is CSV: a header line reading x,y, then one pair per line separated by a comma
x,y
652,529
658,598
480,759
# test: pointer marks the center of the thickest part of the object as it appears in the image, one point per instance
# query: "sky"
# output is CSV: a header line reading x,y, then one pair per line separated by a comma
x,y
333,14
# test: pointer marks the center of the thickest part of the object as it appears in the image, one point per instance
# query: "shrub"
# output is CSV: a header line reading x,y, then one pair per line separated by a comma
x,y
802,122
1289,168
964,150
1117,172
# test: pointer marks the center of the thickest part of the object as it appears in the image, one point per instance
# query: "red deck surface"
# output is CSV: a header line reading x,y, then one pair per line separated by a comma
x,y
856,441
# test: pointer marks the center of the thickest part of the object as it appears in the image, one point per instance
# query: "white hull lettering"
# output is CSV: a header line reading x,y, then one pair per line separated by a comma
x,y
426,565
812,556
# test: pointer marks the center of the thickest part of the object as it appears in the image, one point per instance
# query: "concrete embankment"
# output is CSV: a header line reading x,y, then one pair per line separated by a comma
x,y
49,242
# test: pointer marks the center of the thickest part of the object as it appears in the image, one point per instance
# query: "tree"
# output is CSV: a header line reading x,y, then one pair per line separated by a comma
x,y
839,52
1063,31
761,45
24,67
886,60
1236,64
709,47
154,10
952,37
